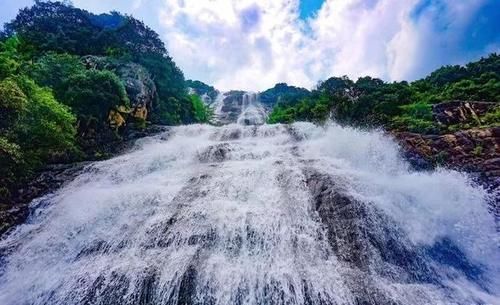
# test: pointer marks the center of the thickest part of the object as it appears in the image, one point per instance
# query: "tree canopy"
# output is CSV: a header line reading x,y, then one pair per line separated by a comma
x,y
55,106
398,105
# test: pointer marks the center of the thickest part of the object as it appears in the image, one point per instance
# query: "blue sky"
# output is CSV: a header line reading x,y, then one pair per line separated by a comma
x,y
309,7
252,44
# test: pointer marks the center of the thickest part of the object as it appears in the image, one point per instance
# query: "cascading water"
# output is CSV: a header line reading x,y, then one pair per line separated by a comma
x,y
217,108
252,111
238,107
268,214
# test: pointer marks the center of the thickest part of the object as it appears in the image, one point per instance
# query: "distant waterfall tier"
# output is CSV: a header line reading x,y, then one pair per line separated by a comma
x,y
239,107
266,214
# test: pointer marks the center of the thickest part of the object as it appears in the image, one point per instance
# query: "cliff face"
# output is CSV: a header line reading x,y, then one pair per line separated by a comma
x,y
140,87
475,150
462,112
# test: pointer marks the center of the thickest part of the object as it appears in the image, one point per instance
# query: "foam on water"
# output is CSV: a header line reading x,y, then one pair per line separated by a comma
x,y
223,215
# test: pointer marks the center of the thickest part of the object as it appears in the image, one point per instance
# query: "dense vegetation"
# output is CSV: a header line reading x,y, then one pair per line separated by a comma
x,y
202,89
398,105
283,94
55,107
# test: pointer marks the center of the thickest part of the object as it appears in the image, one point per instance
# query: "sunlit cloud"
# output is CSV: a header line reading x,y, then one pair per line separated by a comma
x,y
251,44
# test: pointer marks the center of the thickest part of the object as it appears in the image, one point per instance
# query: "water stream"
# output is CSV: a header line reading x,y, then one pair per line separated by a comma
x,y
256,214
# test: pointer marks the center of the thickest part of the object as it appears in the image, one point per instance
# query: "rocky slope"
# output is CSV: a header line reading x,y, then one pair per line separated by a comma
x,y
472,147
473,150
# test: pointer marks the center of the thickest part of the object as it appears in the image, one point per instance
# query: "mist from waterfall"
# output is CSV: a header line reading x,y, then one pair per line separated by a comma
x,y
252,213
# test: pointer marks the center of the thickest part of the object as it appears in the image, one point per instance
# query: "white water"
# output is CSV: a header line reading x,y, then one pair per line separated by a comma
x,y
217,108
247,110
252,111
224,215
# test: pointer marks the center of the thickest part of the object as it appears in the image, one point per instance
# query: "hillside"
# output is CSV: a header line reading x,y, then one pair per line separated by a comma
x,y
73,84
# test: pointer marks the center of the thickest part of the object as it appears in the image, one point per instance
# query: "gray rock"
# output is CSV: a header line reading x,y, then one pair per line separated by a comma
x,y
140,87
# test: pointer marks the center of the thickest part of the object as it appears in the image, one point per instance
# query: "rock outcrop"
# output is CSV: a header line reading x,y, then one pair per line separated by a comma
x,y
474,150
461,112
232,107
375,247
140,87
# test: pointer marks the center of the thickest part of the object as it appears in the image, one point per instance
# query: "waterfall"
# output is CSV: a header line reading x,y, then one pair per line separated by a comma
x,y
267,214
238,107
217,107
252,112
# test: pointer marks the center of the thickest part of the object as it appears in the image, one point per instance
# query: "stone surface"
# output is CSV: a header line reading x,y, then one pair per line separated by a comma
x,y
116,119
457,112
474,150
140,87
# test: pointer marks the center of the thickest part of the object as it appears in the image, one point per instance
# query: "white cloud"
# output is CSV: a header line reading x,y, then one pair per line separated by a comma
x,y
253,44
235,44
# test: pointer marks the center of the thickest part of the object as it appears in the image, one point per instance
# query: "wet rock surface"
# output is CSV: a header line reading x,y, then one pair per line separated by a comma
x,y
476,151
231,107
55,176
257,218
362,236
49,180
374,247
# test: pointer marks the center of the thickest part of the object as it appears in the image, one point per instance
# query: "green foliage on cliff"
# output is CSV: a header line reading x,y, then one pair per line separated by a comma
x,y
89,93
55,27
201,88
313,109
46,127
54,104
283,94
172,106
94,93
398,105
202,112
35,129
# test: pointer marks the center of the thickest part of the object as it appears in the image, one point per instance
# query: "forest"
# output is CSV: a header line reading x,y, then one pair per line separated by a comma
x,y
403,106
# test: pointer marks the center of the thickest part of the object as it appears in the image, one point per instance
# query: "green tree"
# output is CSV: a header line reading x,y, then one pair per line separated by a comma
x,y
173,105
46,127
55,26
12,103
202,113
94,93
10,58
55,71
35,129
